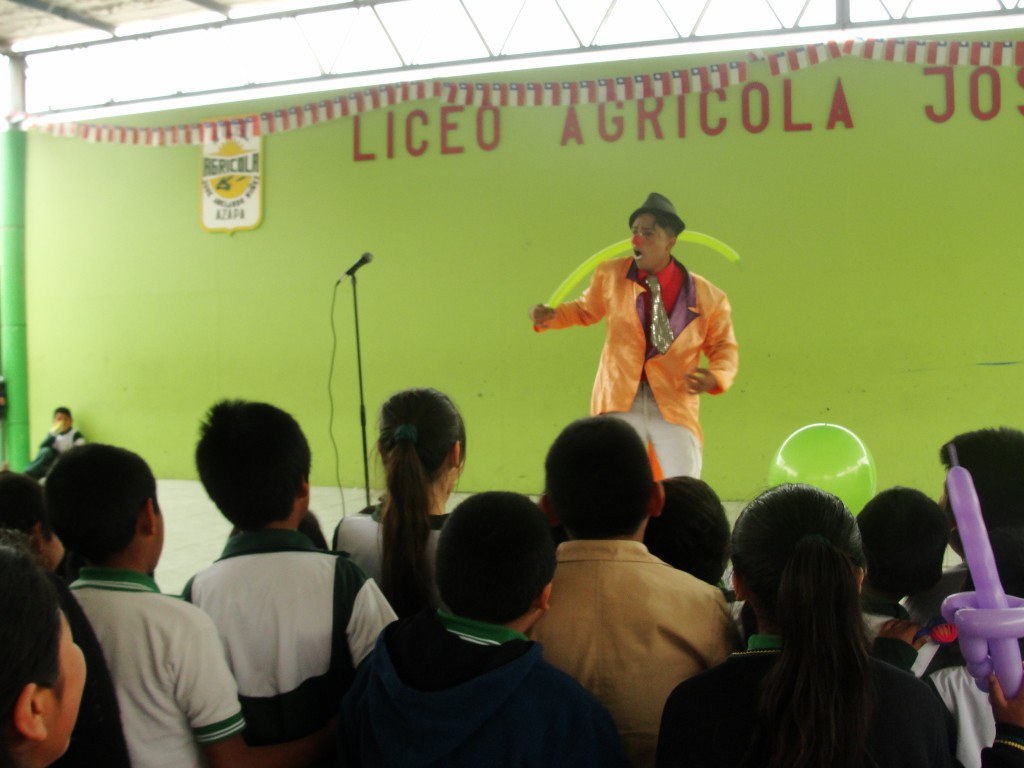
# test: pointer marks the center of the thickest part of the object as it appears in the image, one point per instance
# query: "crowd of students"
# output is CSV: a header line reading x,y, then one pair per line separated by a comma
x,y
589,629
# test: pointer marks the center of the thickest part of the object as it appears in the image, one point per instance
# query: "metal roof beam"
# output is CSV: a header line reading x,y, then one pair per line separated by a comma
x,y
228,22
66,14
212,5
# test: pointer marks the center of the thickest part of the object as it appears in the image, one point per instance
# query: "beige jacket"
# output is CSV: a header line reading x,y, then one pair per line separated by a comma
x,y
629,628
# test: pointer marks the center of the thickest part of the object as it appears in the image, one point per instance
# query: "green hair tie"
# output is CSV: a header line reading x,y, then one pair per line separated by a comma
x,y
405,433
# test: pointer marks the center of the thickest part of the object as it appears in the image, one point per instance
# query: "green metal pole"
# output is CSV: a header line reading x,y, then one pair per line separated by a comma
x,y
13,344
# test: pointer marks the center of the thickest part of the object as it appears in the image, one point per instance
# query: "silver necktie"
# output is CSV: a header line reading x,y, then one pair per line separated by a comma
x,y
661,329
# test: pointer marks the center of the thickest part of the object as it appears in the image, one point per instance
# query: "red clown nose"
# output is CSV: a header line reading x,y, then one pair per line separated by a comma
x,y
638,240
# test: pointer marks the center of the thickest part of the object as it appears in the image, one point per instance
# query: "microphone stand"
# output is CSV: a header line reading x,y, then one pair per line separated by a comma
x,y
362,402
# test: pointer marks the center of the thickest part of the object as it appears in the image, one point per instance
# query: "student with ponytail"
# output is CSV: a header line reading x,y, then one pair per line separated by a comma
x,y
422,445
805,693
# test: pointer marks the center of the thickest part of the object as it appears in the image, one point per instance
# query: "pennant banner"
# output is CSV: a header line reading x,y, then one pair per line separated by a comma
x,y
547,94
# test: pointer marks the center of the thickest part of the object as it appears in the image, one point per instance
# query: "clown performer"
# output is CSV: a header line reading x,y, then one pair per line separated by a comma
x,y
660,318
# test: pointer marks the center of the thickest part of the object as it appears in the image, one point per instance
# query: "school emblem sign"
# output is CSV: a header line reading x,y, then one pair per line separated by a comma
x,y
232,184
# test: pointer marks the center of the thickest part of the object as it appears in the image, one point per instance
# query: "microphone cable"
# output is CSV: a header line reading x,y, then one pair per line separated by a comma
x,y
330,400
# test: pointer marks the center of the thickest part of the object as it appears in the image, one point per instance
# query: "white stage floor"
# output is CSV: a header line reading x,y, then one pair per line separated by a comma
x,y
195,530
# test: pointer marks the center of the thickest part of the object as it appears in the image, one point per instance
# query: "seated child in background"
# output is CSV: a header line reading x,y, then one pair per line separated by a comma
x,y
179,703
42,671
468,688
61,437
904,535
97,738
296,621
692,532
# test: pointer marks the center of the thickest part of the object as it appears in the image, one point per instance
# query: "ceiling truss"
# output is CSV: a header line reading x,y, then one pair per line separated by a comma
x,y
487,31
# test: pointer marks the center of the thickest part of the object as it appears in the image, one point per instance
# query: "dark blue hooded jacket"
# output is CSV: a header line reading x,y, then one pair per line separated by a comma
x,y
426,697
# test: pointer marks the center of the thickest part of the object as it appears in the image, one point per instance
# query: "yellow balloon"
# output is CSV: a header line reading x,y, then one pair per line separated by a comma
x,y
626,246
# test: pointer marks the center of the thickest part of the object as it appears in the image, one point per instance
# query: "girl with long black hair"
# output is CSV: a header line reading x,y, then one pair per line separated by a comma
x,y
805,693
422,445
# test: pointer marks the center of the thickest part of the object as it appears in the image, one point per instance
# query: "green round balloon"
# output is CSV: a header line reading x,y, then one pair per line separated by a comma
x,y
829,457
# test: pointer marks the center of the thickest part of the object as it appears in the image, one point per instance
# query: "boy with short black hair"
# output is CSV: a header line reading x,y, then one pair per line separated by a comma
x,y
626,625
296,621
692,532
97,737
467,688
22,509
904,534
995,459
179,703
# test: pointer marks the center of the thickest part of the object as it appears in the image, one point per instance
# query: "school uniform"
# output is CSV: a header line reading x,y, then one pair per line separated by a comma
x,y
174,687
442,690
296,622
360,537
711,720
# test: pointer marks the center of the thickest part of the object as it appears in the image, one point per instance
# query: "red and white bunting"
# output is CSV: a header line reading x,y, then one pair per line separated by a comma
x,y
547,94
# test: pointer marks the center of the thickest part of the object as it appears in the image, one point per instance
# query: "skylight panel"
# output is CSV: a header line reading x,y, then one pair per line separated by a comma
x,y
725,17
868,10
48,87
168,22
896,8
208,60
820,13
431,31
585,16
276,6
635,22
540,27
789,11
684,14
948,7
273,50
53,41
326,34
367,46
494,19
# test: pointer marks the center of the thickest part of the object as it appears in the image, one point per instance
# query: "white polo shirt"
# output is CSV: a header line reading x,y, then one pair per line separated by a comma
x,y
168,665
295,621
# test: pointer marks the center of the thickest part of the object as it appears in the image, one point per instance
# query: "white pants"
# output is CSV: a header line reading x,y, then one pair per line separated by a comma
x,y
677,448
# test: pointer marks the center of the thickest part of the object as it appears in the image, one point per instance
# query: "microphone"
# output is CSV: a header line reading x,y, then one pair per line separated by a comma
x,y
366,258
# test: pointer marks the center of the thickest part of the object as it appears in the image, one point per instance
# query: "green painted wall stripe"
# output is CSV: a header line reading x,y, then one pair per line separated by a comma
x,y
13,345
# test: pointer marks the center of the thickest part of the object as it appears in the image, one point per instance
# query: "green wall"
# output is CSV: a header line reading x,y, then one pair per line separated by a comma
x,y
878,286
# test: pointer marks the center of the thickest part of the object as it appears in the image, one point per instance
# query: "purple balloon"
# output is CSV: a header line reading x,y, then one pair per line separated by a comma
x,y
988,622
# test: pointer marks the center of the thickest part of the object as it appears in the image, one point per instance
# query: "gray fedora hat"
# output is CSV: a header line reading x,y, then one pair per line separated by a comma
x,y
663,210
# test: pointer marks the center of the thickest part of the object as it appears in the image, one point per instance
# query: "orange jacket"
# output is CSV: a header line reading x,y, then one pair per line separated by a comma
x,y
700,319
